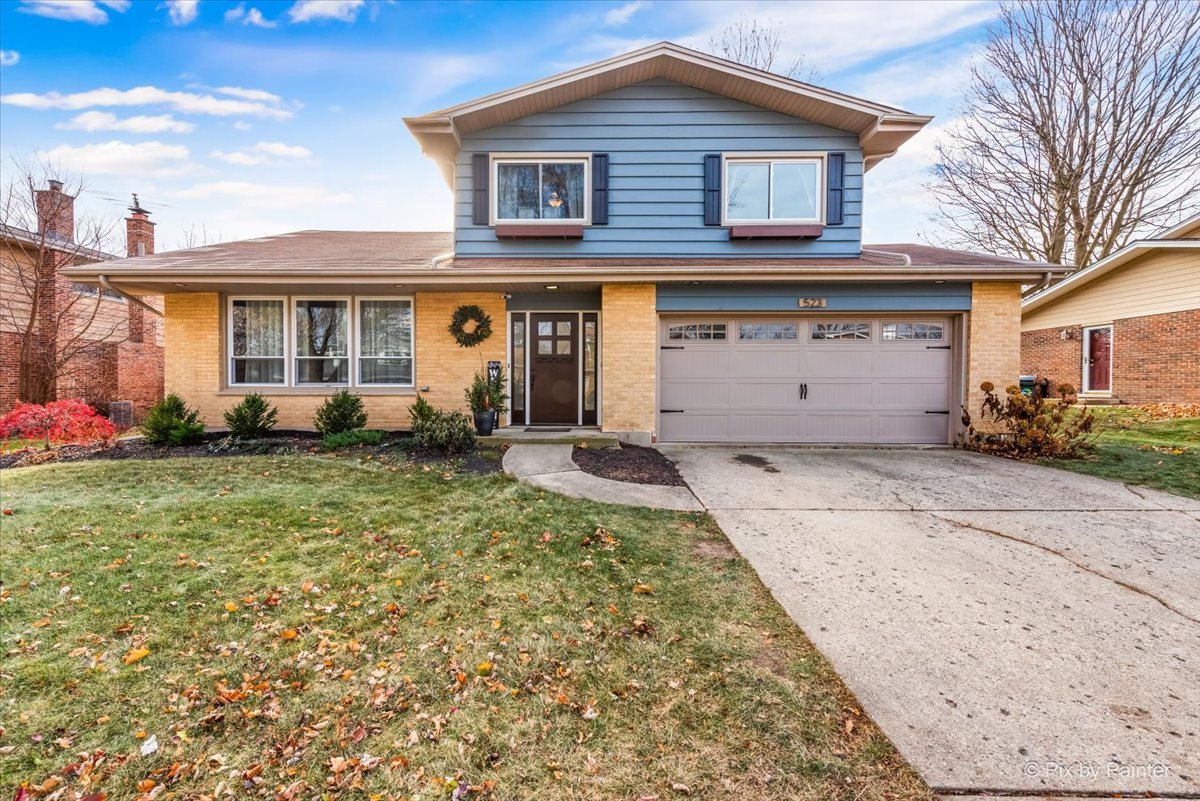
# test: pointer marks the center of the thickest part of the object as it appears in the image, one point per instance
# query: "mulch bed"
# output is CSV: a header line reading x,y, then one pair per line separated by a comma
x,y
630,463
397,447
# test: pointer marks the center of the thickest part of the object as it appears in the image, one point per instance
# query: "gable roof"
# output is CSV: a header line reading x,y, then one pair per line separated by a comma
x,y
1184,236
881,129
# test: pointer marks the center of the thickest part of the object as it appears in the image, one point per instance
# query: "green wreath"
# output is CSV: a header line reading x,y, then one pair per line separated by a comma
x,y
482,330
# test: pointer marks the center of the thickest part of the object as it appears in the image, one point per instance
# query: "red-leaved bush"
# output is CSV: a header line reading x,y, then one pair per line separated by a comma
x,y
58,422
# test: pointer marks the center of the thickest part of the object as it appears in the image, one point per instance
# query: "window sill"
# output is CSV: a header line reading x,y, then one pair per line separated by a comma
x,y
539,231
762,231
316,391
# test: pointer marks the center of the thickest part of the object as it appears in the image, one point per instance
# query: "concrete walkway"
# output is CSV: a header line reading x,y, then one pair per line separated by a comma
x,y
551,467
1013,629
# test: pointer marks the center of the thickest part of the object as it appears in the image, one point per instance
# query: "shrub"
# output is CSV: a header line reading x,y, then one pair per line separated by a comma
x,y
452,432
421,411
57,422
171,422
252,418
1030,425
350,439
486,393
341,411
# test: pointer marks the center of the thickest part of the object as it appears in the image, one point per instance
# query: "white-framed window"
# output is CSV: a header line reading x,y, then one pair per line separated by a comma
x,y
385,342
539,188
704,332
767,332
303,341
842,331
95,291
770,189
257,341
901,331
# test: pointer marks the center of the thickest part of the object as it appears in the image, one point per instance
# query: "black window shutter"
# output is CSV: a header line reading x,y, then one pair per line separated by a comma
x,y
835,193
599,189
712,189
480,164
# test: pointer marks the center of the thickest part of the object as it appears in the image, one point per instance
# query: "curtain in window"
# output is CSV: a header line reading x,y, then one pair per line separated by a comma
x,y
540,191
385,342
321,338
257,346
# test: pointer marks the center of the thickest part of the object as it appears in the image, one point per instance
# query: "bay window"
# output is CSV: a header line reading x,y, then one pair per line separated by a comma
x,y
331,341
256,342
533,189
769,190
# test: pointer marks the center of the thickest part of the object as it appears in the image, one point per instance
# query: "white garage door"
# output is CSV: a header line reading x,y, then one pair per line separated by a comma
x,y
746,379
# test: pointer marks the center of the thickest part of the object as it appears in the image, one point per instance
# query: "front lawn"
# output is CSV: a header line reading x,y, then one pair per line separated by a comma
x,y
299,626
1134,447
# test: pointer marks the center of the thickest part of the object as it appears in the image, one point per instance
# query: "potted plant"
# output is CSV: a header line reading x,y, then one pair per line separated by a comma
x,y
487,399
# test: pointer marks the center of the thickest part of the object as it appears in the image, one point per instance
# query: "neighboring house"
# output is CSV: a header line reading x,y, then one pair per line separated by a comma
x,y
669,246
119,345
1125,329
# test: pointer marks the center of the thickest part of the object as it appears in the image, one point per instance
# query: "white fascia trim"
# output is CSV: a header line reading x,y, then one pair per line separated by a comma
x,y
1106,265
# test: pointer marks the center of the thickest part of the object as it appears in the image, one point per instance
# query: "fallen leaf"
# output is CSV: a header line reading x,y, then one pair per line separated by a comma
x,y
136,654
289,634
149,746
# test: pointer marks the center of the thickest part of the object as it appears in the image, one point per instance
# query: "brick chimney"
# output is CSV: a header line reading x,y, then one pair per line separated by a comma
x,y
139,231
55,212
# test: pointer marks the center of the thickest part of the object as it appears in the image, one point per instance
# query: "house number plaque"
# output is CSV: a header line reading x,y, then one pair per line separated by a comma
x,y
813,303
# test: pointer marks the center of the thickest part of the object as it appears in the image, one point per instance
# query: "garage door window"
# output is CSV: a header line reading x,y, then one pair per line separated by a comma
x,y
840,331
697,331
766,331
893,332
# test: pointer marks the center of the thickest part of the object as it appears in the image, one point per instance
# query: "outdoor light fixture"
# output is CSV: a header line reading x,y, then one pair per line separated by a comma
x,y
551,287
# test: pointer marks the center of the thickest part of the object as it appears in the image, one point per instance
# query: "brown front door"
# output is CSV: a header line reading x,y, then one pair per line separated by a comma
x,y
554,368
1099,359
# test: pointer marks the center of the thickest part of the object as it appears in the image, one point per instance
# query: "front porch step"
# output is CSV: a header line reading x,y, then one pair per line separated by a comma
x,y
1099,400
575,435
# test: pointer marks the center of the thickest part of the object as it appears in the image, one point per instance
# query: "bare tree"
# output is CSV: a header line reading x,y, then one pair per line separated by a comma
x,y
58,323
759,45
1081,130
193,238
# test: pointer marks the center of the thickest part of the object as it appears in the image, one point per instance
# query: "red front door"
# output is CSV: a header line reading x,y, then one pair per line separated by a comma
x,y
1097,370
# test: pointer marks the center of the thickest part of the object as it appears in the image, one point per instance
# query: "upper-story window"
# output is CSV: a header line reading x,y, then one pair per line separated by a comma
x,y
541,189
768,189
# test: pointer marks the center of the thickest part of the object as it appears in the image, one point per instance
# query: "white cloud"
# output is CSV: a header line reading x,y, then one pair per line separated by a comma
x,y
263,153
309,10
141,159
936,77
255,17
264,196
107,121
183,12
89,11
260,95
622,14
235,13
241,125
833,35
9,57
185,102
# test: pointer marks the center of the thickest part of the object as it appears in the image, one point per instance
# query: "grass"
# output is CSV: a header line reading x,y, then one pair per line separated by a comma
x,y
300,626
1133,448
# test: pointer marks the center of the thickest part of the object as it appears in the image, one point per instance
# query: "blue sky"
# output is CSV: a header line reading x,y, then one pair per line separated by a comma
x,y
251,118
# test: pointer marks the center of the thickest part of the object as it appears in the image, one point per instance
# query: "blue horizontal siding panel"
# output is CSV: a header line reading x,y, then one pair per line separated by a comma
x,y
906,296
656,134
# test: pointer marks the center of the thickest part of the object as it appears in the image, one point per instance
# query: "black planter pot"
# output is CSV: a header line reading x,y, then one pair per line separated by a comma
x,y
485,423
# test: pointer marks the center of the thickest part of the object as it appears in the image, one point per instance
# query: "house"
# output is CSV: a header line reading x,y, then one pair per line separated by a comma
x,y
1125,329
107,348
669,247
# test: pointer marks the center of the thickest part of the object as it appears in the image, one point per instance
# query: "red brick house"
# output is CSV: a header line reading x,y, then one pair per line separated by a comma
x,y
114,341
1125,329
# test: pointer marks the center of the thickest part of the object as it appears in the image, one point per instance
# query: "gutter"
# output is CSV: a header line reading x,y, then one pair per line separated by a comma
x,y
104,282
437,261
1039,286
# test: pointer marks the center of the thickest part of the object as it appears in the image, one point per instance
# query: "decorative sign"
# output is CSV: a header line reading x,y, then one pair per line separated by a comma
x,y
813,303
493,370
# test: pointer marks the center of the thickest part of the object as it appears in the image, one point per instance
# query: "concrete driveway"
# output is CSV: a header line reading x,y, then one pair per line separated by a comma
x,y
1012,628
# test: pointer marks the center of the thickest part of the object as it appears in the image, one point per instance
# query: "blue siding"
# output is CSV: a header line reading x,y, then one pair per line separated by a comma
x,y
845,297
657,133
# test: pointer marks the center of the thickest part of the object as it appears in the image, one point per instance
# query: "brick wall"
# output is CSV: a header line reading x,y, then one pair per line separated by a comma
x,y
194,361
1156,358
993,339
629,359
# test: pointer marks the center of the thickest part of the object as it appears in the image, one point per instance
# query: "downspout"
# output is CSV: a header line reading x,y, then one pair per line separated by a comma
x,y
1038,287
437,261
904,256
103,279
